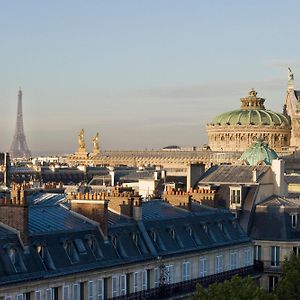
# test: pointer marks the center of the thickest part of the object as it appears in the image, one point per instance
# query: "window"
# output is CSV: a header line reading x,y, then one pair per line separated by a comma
x,y
114,290
219,264
203,267
135,282
100,289
122,284
66,292
172,233
294,220
275,256
93,245
80,246
247,257
8,298
169,274
273,281
220,226
45,256
186,270
71,251
76,291
15,259
135,238
49,294
257,252
37,295
153,235
144,280
21,297
296,250
156,277
233,260
91,290
235,196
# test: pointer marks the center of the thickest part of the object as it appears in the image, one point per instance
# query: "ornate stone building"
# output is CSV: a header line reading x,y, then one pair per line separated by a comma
x,y
292,106
237,130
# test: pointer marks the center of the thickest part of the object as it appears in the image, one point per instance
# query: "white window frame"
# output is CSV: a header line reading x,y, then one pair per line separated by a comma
x,y
186,270
90,290
233,260
51,294
276,256
123,286
235,196
100,289
135,282
38,295
203,266
170,274
76,290
21,297
219,263
144,280
257,252
114,287
156,277
66,288
247,257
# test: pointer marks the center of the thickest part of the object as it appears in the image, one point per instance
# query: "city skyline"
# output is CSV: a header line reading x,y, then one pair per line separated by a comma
x,y
145,75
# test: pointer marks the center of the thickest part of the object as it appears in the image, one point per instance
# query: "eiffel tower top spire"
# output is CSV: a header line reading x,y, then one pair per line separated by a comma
x,y
19,146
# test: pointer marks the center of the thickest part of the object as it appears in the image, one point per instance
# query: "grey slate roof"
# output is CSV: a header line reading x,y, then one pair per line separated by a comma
x,y
51,224
272,220
232,174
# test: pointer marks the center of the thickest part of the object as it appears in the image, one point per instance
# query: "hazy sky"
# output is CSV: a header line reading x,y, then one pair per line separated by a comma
x,y
145,74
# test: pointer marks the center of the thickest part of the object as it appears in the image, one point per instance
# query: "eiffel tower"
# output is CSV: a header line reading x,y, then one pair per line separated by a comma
x,y
19,146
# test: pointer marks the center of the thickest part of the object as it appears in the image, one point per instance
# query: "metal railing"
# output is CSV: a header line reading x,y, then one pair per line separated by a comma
x,y
189,286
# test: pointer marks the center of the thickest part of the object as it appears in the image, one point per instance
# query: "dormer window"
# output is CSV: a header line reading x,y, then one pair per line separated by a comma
x,y
220,226
172,233
235,197
71,251
93,245
294,220
114,240
135,238
204,227
15,259
45,256
190,230
153,235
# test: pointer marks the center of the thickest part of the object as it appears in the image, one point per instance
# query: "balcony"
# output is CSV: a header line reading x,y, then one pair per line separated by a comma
x,y
166,291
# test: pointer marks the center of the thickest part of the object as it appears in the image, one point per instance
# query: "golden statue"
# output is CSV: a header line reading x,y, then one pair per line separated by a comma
x,y
81,141
96,148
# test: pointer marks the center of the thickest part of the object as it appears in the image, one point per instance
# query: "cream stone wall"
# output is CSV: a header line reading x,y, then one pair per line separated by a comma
x,y
241,137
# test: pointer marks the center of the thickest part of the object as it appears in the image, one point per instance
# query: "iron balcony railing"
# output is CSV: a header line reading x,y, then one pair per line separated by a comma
x,y
189,286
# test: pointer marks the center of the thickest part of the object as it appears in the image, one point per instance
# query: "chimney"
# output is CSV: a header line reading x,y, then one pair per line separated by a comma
x,y
280,186
14,212
94,209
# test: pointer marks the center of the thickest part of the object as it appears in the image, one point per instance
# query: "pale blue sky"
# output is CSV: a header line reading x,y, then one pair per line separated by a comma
x,y
145,74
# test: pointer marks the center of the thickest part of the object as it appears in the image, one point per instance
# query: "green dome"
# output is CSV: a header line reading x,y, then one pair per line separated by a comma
x,y
251,117
259,152
252,112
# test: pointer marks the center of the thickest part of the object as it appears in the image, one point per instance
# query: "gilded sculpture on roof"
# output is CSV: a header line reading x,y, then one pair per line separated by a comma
x,y
96,147
81,141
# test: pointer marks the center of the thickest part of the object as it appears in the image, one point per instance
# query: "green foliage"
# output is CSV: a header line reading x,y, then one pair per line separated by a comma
x,y
289,285
235,289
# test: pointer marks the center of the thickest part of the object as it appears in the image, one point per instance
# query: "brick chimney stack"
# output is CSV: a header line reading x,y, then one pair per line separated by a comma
x,y
14,211
93,206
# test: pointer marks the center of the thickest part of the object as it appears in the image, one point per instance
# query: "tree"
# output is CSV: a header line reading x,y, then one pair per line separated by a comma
x,y
289,285
237,288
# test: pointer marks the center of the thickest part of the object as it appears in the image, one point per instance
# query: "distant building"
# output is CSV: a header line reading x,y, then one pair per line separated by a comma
x,y
236,130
